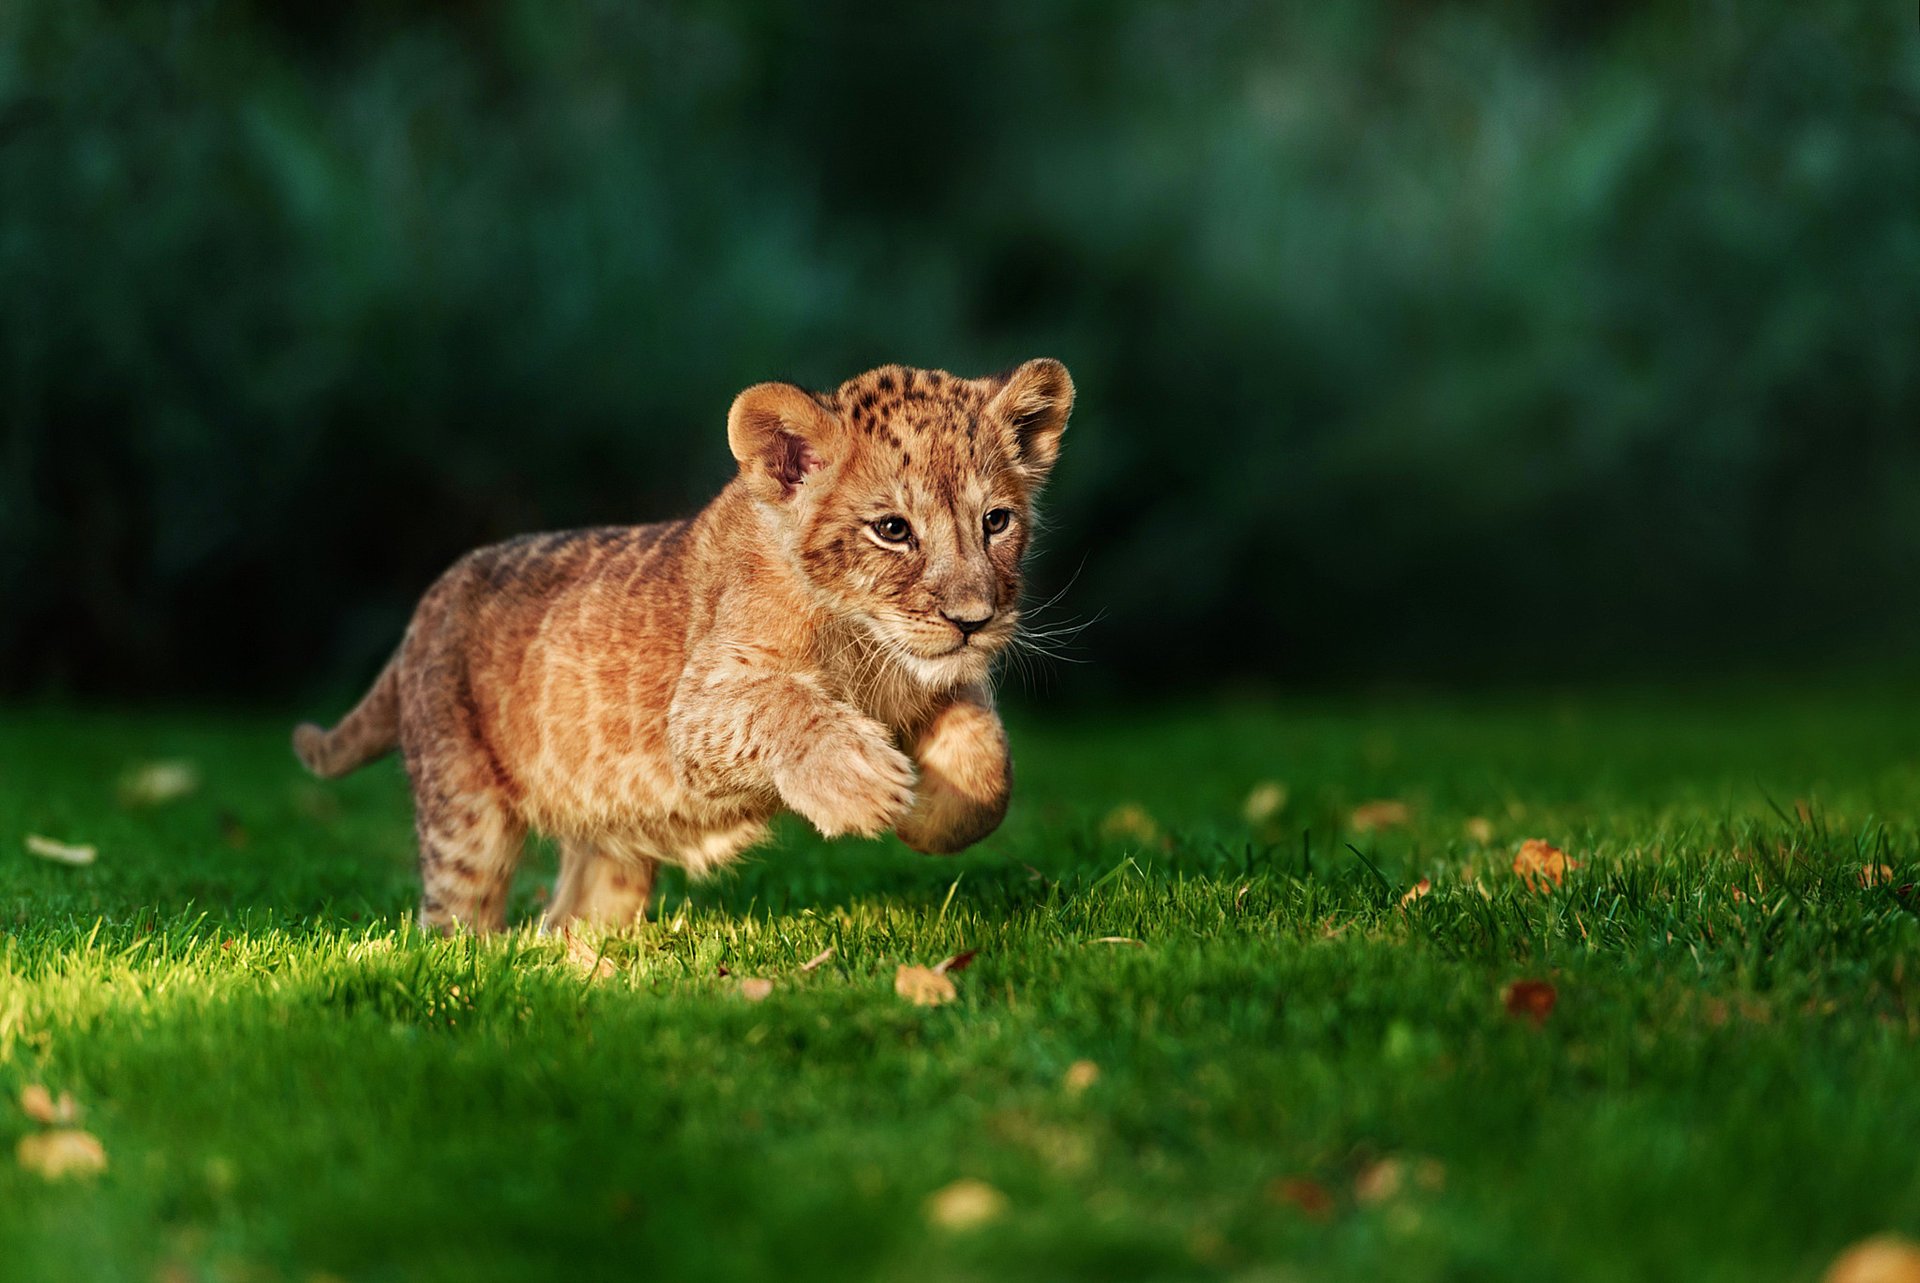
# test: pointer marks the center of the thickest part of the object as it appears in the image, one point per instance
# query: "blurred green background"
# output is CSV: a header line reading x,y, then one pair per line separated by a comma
x,y
1414,341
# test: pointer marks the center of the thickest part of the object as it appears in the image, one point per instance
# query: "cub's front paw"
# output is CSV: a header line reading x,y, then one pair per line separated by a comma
x,y
852,781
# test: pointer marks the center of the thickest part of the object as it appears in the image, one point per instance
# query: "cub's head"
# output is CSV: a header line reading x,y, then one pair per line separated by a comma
x,y
904,498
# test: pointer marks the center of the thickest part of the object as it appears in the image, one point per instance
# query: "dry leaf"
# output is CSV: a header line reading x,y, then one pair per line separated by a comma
x,y
1541,865
1530,999
755,989
966,1204
1309,1196
817,959
923,986
1479,829
1265,802
1117,940
1380,1181
1875,875
59,1154
59,852
583,955
152,783
1080,1075
1130,822
1384,814
37,1103
957,963
1884,1258
1418,891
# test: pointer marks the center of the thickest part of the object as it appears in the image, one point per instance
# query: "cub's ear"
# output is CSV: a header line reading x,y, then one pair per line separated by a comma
x,y
1034,402
780,434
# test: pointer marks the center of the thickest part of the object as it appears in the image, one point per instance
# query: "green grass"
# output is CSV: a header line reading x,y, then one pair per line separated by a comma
x,y
290,1083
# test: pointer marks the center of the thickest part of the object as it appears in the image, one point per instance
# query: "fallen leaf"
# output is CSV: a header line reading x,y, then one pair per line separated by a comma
x,y
59,852
1130,822
587,958
37,1103
1530,999
923,986
1541,865
1080,1075
1378,1182
1384,814
62,1153
151,783
957,963
1884,1258
1875,875
1129,940
817,959
1418,890
1309,1196
966,1204
1265,802
755,989
1479,829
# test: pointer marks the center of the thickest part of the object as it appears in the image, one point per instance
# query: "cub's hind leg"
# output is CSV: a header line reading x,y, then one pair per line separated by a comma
x,y
470,836
598,890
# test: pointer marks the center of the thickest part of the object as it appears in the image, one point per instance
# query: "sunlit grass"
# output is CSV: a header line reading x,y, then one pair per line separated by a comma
x,y
289,1081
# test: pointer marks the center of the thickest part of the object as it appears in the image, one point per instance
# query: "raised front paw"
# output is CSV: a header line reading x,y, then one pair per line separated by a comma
x,y
851,780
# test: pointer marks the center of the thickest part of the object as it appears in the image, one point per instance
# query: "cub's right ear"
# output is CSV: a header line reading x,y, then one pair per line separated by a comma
x,y
780,435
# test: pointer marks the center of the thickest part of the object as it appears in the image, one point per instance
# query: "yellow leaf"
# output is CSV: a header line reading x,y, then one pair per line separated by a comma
x,y
1081,1074
754,989
923,986
152,783
966,1204
1384,814
62,1153
1265,802
59,852
1541,865
1884,1258
37,1103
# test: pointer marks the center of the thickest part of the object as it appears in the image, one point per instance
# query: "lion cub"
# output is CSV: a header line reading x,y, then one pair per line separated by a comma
x,y
655,694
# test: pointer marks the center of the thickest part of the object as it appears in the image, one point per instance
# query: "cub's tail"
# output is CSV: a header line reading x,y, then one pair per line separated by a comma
x,y
371,730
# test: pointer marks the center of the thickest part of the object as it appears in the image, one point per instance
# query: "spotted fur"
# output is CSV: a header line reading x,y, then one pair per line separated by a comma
x,y
655,694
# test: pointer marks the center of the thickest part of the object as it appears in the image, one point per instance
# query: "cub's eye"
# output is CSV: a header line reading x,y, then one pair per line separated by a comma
x,y
893,529
997,520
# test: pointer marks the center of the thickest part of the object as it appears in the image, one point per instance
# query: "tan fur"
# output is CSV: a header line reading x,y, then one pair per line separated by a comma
x,y
655,694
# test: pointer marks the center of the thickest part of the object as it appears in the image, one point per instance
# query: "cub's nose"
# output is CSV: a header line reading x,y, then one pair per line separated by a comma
x,y
969,620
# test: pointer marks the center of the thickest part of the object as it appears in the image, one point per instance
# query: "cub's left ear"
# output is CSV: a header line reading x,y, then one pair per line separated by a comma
x,y
1034,402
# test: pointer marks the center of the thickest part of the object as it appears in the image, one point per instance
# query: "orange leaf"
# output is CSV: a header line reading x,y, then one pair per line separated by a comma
x,y
1884,1258
1384,814
1530,999
1541,865
1875,875
37,1103
1418,891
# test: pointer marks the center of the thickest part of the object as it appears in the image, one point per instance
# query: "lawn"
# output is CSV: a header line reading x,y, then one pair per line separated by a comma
x,y
1190,1044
